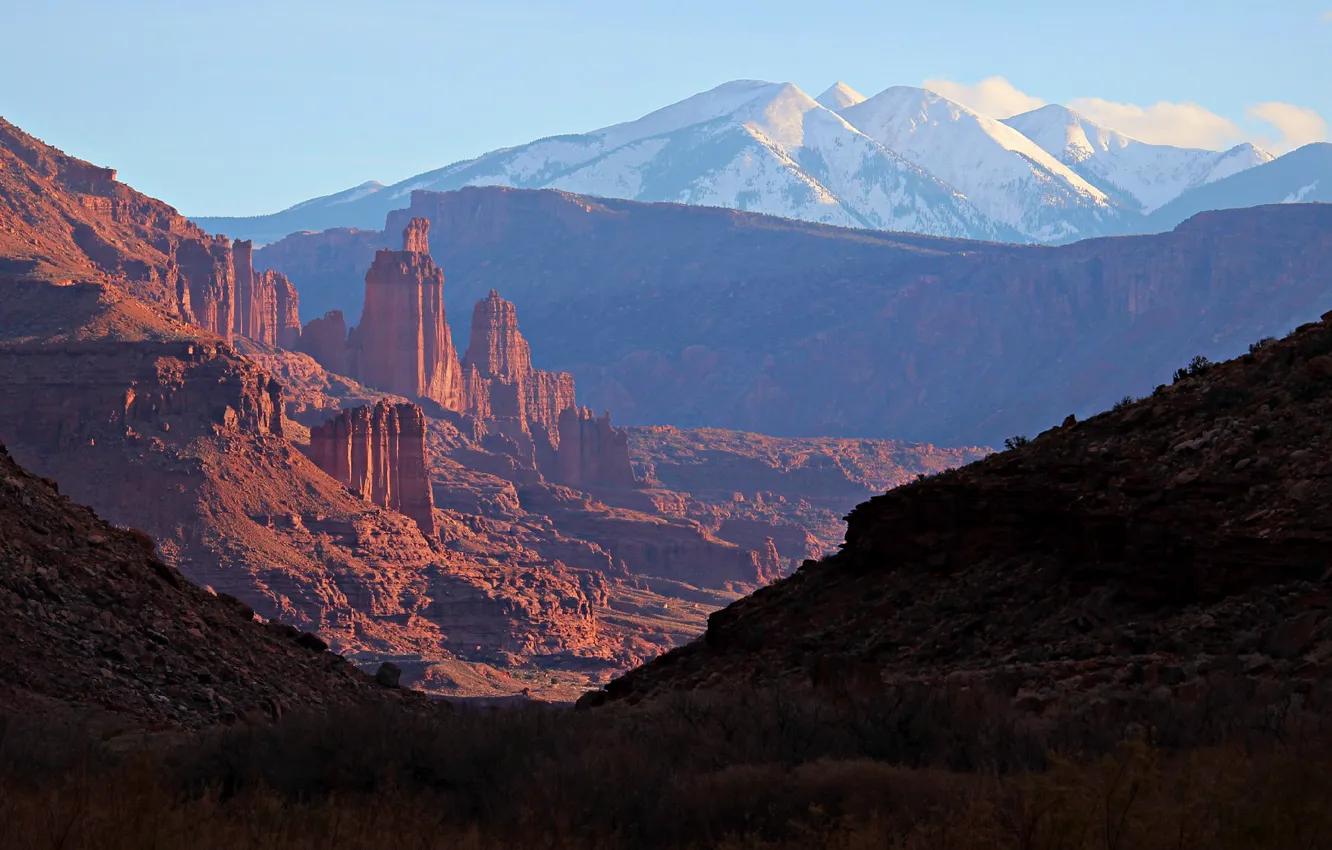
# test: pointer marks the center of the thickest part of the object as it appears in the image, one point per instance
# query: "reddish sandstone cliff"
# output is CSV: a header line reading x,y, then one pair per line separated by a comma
x,y
62,218
590,452
325,339
379,452
498,375
266,304
403,344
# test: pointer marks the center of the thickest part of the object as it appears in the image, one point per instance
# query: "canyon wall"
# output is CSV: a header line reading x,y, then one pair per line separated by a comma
x,y
378,451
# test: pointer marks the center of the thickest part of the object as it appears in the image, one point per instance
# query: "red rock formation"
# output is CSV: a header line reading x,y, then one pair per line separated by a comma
x,y
325,340
498,375
952,342
248,315
106,592
403,344
379,452
590,452
210,279
266,304
287,322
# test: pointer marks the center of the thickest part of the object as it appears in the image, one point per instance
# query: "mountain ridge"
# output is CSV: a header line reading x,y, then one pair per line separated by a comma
x,y
719,148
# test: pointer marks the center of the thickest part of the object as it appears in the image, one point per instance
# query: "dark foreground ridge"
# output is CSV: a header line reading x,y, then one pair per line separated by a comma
x,y
94,625
1144,554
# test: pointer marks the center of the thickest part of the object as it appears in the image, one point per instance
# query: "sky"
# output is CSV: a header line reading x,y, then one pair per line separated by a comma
x,y
250,106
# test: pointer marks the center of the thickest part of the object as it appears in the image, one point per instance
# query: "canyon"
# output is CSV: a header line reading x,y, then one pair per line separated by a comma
x,y
698,317
462,517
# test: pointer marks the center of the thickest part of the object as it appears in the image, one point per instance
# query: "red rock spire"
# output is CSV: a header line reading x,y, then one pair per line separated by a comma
x,y
404,344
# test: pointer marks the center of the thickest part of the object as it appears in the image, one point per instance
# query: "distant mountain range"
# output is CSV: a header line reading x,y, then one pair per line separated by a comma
x,y
906,160
698,317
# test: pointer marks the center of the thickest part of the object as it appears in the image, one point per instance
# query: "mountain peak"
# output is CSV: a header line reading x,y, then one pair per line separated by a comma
x,y
839,96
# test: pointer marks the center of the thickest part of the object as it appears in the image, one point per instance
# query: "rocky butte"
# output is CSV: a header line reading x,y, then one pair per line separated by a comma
x,y
378,451
498,373
402,344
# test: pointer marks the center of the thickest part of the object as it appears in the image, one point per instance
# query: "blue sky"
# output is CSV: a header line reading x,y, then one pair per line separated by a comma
x,y
248,107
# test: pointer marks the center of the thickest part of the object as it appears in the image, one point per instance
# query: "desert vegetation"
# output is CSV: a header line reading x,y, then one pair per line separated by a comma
x,y
734,768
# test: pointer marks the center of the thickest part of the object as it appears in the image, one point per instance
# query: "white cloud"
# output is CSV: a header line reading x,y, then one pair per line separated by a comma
x,y
1327,16
1298,125
1185,125
992,96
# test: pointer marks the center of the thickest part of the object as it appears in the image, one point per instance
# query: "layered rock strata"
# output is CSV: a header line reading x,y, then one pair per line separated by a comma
x,y
64,219
497,369
403,344
589,452
267,306
378,451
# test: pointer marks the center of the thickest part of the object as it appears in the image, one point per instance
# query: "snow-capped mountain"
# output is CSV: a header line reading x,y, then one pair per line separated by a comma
x,y
906,159
1007,176
1143,175
839,96
750,145
1303,176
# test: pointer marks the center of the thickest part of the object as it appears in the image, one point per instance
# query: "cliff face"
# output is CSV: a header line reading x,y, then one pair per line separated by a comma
x,y
325,339
498,375
378,451
403,344
591,453
267,306
697,317
62,218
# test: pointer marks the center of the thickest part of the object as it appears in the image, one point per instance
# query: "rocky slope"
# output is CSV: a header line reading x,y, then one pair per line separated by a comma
x,y
64,219
165,426
1157,551
92,622
695,317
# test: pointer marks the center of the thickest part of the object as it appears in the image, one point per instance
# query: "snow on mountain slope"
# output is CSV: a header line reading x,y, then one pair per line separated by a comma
x,y
906,159
783,154
839,96
1302,176
764,147
1007,176
1143,175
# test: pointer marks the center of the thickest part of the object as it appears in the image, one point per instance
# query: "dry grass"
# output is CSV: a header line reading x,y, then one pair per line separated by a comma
x,y
746,769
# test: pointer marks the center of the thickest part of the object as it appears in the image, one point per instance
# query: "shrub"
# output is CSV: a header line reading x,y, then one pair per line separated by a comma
x,y
1255,347
1017,442
1123,404
1197,367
